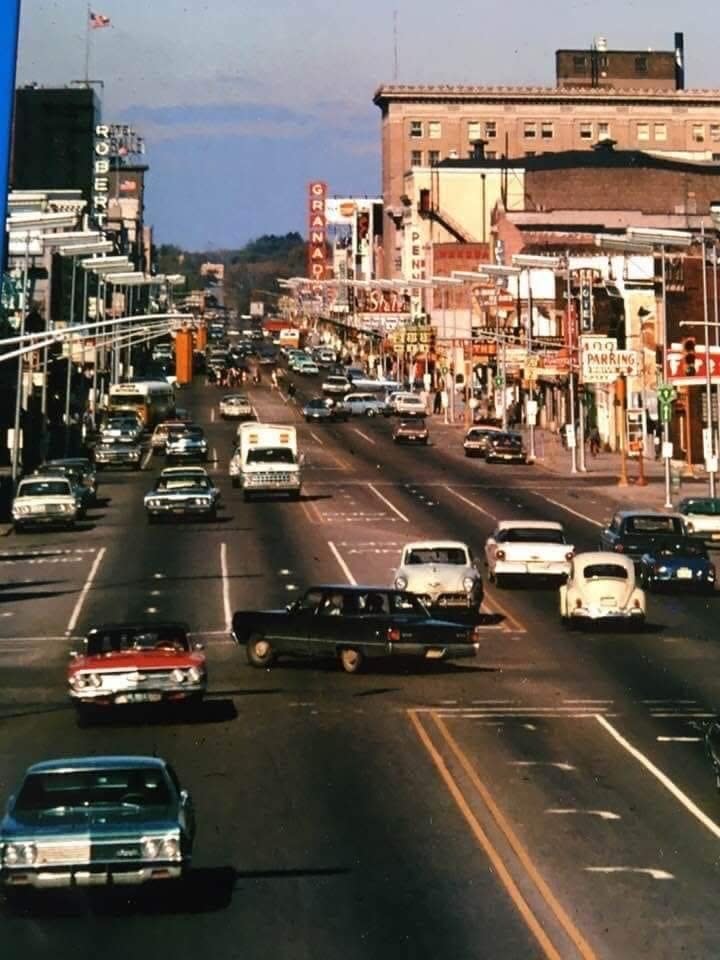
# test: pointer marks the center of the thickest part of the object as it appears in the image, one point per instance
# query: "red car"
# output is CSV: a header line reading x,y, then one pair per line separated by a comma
x,y
137,663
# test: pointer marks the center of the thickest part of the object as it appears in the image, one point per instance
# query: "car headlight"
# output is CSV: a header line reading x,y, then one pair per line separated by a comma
x,y
134,454
94,680
77,682
17,854
151,848
662,569
468,584
179,676
194,674
401,582
170,848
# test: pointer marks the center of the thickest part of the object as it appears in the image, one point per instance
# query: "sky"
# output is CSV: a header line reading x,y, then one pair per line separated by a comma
x,y
242,103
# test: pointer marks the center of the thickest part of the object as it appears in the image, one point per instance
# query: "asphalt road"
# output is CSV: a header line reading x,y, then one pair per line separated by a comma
x,y
550,799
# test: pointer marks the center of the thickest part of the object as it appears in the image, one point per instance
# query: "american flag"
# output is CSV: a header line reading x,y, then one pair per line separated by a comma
x,y
98,20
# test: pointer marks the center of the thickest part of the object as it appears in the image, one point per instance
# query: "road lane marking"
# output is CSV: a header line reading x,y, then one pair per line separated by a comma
x,y
581,945
388,503
72,623
148,458
225,586
648,871
364,436
493,605
559,765
669,785
679,739
564,506
341,563
317,439
471,503
533,923
569,811
212,415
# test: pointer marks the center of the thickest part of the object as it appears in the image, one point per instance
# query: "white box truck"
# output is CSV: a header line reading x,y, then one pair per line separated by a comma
x,y
266,460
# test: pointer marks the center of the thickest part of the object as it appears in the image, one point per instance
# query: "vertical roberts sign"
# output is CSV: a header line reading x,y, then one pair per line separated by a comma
x,y
317,232
9,27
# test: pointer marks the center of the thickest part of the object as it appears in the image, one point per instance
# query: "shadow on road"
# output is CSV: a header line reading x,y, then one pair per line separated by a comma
x,y
210,710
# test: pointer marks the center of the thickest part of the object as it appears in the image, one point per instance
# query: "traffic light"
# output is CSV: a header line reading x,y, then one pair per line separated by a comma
x,y
689,356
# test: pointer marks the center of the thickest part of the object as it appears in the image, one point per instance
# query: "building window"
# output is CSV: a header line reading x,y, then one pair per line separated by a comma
x,y
434,129
715,131
529,153
491,154
716,156
603,131
641,64
433,157
579,64
474,130
529,130
603,61
490,129
643,131
547,130
698,132
660,131
416,158
586,131
416,129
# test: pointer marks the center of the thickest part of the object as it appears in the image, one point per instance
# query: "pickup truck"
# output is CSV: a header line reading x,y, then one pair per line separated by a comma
x,y
527,548
353,624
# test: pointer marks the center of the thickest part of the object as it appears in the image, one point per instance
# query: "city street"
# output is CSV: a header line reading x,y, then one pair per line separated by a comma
x,y
550,798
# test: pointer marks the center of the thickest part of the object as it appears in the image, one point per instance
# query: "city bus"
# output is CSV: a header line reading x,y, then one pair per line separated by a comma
x,y
152,400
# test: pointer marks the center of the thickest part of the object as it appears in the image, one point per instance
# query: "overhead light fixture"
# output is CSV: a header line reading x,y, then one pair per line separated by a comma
x,y
657,237
539,261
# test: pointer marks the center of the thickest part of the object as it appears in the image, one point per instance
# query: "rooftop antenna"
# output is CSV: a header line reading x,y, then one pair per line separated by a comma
x,y
395,46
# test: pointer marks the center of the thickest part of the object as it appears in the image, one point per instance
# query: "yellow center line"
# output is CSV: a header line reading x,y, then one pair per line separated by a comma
x,y
494,605
583,947
534,925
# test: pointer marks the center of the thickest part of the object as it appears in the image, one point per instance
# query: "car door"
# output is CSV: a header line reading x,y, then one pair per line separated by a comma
x,y
328,624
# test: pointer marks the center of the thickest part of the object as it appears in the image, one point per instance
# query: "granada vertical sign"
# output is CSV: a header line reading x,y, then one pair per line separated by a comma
x,y
317,231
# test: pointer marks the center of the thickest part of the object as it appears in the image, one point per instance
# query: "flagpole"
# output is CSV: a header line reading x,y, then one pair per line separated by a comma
x,y
87,46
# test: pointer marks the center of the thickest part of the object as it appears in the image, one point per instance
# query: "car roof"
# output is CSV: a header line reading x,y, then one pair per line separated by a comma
x,y
529,525
648,513
604,556
39,477
435,545
140,625
190,468
114,762
69,461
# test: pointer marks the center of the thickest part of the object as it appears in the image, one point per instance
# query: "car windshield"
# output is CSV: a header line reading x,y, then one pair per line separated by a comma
x,y
701,508
68,789
506,439
271,455
451,555
531,535
183,483
123,639
670,526
44,488
605,571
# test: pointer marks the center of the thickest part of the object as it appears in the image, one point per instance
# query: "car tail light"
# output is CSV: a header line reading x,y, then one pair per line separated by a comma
x,y
636,603
393,634
570,554
578,603
500,555
619,548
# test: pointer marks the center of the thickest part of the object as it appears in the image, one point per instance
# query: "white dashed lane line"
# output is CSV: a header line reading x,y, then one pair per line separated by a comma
x,y
471,503
341,563
564,506
387,503
364,436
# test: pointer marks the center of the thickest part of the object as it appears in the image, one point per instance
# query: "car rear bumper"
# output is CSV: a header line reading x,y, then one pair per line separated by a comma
x,y
531,568
611,613
440,651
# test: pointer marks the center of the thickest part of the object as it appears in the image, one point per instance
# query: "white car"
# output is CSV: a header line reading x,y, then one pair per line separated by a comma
x,y
702,517
443,573
307,368
336,386
522,548
408,405
44,500
235,406
601,586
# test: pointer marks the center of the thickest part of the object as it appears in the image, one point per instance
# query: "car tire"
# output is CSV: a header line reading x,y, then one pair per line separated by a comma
x,y
19,528
369,413
308,419
259,652
351,660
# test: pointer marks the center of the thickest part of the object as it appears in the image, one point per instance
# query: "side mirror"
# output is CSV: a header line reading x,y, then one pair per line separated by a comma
x,y
198,645
73,654
184,798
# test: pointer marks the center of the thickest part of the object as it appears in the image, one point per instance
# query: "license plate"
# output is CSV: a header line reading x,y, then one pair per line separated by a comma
x,y
434,654
138,698
178,510
684,574
608,602
507,456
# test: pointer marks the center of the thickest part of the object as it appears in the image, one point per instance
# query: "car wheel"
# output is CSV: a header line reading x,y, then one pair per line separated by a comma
x,y
308,419
18,528
259,651
370,413
351,660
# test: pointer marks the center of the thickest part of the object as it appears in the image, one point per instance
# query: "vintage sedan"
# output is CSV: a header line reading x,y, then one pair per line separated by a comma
x,y
702,517
405,404
684,564
443,573
181,495
636,532
411,431
600,588
188,444
117,453
130,663
236,406
44,500
527,548
84,466
83,493
336,386
307,368
325,408
123,429
505,447
96,821
161,431
192,470
477,440
366,405
354,624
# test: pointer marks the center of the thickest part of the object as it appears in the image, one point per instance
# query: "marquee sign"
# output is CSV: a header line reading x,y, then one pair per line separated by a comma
x,y
317,231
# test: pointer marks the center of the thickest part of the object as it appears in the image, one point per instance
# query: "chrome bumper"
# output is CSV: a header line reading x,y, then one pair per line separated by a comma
x,y
83,876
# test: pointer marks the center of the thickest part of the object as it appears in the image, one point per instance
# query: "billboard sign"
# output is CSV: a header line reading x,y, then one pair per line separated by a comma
x,y
317,231
602,362
382,302
676,371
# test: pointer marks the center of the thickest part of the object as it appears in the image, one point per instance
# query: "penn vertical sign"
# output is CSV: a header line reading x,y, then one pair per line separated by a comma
x,y
317,230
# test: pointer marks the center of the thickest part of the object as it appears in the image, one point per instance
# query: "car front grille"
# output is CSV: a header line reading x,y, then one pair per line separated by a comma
x,y
72,851
270,479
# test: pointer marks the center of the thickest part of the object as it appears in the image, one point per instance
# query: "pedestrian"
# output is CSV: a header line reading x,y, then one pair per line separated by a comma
x,y
211,376
594,441
273,380
437,403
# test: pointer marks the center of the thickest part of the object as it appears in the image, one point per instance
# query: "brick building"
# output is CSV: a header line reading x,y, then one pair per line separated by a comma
x,y
640,104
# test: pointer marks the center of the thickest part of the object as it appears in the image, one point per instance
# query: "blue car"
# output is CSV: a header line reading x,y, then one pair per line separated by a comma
x,y
684,564
96,821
